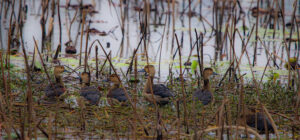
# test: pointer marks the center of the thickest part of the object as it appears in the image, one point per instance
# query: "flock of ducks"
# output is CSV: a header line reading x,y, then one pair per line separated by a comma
x,y
153,93
92,94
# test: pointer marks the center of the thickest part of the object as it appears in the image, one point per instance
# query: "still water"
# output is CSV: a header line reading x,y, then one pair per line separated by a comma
x,y
159,41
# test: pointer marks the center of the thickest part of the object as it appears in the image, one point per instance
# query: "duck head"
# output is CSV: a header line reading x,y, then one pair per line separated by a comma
x,y
150,70
58,70
85,78
114,78
207,72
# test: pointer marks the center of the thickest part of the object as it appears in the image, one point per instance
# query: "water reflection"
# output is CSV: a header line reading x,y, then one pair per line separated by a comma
x,y
122,25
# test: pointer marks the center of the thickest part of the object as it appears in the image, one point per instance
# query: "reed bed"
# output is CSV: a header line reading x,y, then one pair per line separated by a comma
x,y
251,44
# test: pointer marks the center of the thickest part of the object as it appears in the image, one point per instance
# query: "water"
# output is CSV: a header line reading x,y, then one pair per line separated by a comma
x,y
111,17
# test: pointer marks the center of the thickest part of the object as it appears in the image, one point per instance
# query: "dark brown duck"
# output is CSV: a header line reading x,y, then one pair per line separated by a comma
x,y
56,89
116,93
258,120
90,93
70,48
204,95
161,94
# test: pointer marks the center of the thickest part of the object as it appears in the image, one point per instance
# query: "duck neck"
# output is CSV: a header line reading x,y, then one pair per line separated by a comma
x,y
85,84
206,85
59,80
149,83
115,86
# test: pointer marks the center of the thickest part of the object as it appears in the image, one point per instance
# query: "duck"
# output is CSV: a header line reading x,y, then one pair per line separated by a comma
x,y
289,24
116,93
259,124
288,39
204,95
90,93
161,93
15,45
56,89
255,11
70,48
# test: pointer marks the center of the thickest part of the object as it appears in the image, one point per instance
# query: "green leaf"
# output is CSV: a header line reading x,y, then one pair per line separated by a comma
x,y
194,65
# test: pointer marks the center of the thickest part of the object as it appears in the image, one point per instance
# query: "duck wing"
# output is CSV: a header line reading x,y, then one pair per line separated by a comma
x,y
161,90
204,96
70,50
260,122
92,94
118,94
54,90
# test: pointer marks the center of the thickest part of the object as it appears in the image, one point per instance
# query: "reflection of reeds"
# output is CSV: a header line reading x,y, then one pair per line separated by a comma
x,y
81,36
97,72
59,23
86,47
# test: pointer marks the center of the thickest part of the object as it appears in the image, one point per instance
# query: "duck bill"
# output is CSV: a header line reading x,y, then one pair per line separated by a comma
x,y
146,74
67,71
106,80
214,73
